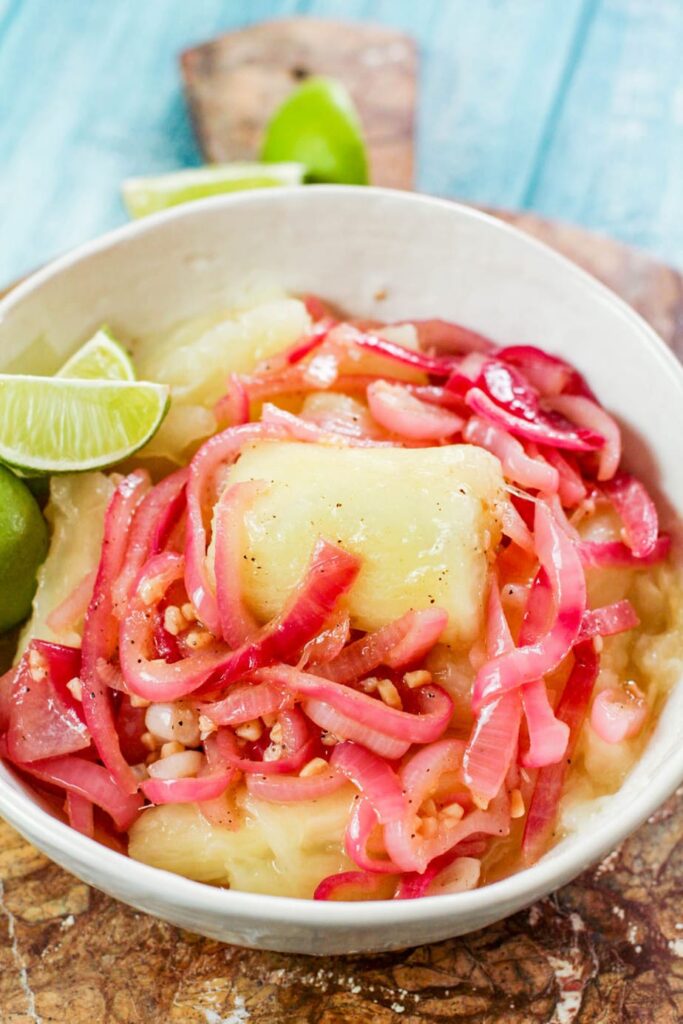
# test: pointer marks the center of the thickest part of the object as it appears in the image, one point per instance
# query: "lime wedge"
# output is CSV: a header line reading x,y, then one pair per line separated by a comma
x,y
58,425
101,358
319,126
149,195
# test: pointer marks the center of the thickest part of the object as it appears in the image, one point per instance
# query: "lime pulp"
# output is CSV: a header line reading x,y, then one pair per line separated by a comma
x,y
60,425
143,196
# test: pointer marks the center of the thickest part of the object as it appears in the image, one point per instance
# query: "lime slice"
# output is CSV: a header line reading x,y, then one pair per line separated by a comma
x,y
318,125
149,195
55,425
23,546
101,358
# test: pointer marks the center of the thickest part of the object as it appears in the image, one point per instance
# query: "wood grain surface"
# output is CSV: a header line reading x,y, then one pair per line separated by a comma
x,y
607,949
235,82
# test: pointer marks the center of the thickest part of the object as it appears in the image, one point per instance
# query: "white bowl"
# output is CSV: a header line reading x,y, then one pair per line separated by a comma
x,y
387,255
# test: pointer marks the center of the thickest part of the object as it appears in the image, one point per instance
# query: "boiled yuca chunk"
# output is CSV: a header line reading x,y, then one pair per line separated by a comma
x,y
423,521
282,849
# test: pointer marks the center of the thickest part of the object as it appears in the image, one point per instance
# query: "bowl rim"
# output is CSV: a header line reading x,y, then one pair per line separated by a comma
x,y
142,880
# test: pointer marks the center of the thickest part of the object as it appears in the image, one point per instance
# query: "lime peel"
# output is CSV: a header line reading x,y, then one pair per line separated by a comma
x,y
318,125
65,425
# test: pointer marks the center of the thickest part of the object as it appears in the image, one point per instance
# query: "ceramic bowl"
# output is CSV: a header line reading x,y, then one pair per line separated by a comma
x,y
387,255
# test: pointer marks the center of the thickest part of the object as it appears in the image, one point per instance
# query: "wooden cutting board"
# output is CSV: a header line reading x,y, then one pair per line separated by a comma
x,y
605,950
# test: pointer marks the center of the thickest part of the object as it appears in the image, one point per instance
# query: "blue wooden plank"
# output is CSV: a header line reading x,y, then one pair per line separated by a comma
x,y
574,108
95,96
613,157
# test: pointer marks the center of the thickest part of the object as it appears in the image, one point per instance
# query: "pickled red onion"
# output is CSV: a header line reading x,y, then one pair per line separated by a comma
x,y
400,412
608,620
346,335
378,783
238,625
41,723
612,554
187,791
91,781
618,715
246,702
363,885
220,450
559,558
73,607
571,710
543,431
100,629
297,746
591,417
637,511
434,703
287,789
80,813
361,824
548,737
495,734
143,531
518,467
400,642
345,727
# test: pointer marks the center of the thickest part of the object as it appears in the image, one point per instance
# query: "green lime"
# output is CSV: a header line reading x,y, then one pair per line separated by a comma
x,y
23,546
319,126
59,425
149,195
101,358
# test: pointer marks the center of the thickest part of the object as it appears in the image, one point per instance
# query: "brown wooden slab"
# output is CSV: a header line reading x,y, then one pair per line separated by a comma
x,y
235,82
607,949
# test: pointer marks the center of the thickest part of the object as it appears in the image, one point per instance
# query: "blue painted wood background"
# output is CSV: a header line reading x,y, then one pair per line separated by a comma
x,y
572,108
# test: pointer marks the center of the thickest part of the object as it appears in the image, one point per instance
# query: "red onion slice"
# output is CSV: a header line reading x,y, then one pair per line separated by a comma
x,y
41,723
615,555
247,702
591,417
346,335
100,629
617,715
220,451
361,824
350,886
637,511
571,710
346,727
434,703
144,534
400,412
541,431
559,558
548,374
518,467
297,747
80,812
608,620
91,781
495,736
187,791
73,608
287,789
373,777
238,625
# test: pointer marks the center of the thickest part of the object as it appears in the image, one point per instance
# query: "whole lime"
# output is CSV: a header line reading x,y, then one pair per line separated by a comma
x,y
23,546
318,126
